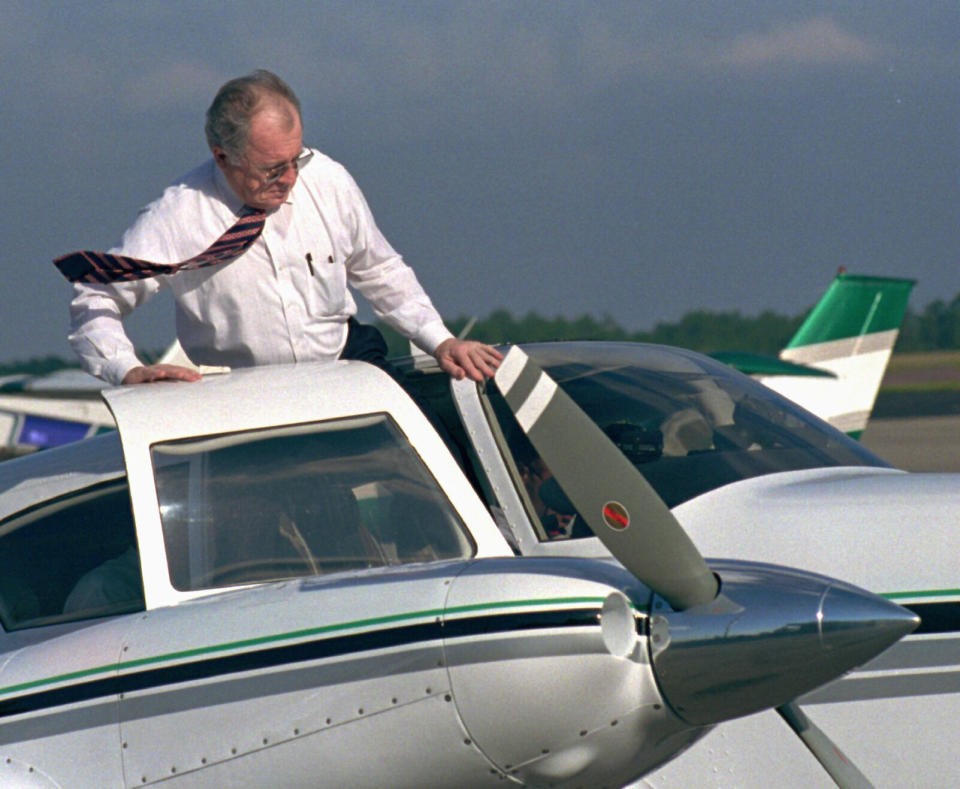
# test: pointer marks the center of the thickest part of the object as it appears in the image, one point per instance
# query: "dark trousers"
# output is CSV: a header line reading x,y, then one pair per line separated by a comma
x,y
366,344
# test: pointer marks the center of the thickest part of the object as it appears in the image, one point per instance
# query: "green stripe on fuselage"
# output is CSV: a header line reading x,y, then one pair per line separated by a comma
x,y
922,593
294,635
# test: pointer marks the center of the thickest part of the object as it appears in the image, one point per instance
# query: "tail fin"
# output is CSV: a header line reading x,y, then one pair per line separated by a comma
x,y
854,306
850,333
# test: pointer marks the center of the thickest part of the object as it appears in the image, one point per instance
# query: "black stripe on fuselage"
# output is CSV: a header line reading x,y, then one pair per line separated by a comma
x,y
317,649
936,617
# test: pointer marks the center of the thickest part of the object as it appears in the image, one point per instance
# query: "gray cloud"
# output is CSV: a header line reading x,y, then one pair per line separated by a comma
x,y
817,41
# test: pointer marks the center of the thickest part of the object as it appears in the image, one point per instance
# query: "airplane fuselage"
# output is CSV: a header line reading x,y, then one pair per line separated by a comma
x,y
308,571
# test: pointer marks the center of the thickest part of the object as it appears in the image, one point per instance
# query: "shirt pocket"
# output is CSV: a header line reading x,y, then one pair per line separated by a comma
x,y
327,292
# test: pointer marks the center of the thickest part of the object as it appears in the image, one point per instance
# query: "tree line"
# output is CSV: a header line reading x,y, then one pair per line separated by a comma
x,y
936,327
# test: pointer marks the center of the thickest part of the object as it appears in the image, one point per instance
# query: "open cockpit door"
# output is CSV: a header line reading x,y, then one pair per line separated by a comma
x,y
274,473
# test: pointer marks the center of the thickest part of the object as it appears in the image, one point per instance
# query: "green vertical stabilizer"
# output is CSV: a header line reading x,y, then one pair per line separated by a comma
x,y
855,305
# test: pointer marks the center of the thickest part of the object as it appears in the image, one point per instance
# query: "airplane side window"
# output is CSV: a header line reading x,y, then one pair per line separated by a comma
x,y
70,559
550,511
304,500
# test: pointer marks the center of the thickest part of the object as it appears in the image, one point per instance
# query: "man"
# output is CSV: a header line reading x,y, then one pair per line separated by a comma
x,y
285,298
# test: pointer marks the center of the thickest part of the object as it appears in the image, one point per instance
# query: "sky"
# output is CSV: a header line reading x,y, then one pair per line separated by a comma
x,y
637,160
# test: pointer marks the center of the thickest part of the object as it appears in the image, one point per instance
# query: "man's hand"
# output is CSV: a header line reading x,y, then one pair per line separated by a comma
x,y
468,358
160,372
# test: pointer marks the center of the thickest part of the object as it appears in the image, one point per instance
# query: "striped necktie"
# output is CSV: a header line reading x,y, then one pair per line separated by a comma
x,y
103,267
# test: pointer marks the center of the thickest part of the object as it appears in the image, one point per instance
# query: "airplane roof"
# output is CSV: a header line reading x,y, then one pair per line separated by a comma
x,y
597,353
246,397
43,475
255,396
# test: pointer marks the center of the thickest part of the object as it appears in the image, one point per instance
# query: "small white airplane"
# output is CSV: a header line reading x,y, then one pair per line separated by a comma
x,y
44,411
50,410
282,577
833,366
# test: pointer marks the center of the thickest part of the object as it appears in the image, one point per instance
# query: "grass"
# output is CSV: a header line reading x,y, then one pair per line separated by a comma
x,y
924,371
925,359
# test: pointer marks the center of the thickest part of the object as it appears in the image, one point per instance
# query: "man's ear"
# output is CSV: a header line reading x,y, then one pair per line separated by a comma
x,y
220,156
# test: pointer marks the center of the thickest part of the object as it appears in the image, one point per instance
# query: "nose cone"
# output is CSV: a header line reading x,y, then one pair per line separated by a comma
x,y
856,625
772,635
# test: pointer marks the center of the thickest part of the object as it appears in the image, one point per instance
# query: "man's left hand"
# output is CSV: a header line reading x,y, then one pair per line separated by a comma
x,y
468,358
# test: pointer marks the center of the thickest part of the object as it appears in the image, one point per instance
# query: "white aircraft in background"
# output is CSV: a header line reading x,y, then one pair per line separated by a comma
x,y
834,365
50,410
282,577
44,411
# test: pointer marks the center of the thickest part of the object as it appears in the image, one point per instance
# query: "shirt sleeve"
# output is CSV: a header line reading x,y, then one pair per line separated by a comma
x,y
380,274
97,310
96,326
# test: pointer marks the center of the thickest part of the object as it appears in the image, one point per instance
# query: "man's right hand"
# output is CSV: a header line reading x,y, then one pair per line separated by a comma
x,y
161,372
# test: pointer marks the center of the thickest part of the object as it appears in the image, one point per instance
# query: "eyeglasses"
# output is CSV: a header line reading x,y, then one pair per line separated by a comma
x,y
271,174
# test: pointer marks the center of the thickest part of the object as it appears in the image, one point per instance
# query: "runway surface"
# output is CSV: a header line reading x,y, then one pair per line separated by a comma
x,y
928,443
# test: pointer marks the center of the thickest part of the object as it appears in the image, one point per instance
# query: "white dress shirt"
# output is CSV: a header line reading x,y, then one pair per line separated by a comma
x,y
284,300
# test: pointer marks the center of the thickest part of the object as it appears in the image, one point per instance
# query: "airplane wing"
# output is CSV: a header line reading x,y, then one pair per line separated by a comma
x,y
39,412
758,364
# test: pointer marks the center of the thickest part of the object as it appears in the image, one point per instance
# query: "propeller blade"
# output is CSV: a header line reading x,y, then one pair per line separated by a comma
x,y
843,772
618,504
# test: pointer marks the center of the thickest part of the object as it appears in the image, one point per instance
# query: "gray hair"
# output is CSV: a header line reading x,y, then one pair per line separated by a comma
x,y
228,119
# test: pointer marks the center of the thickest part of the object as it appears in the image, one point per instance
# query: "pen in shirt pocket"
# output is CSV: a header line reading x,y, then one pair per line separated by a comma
x,y
310,264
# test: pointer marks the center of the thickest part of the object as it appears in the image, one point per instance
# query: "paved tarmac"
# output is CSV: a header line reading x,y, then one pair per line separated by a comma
x,y
928,443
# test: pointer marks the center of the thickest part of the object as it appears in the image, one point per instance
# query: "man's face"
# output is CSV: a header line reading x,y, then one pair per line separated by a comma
x,y
276,140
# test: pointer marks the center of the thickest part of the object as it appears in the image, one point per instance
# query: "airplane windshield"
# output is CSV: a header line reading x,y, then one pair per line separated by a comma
x,y
304,500
688,423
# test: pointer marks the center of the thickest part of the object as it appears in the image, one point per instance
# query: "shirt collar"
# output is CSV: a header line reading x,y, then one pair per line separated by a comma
x,y
224,191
